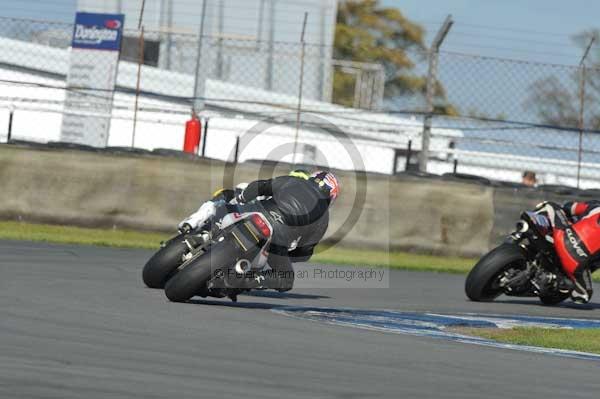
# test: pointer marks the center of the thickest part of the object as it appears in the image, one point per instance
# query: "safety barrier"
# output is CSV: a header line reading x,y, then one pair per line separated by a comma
x,y
154,191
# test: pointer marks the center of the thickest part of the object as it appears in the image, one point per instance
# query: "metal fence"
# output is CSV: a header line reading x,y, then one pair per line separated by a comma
x,y
518,116
491,117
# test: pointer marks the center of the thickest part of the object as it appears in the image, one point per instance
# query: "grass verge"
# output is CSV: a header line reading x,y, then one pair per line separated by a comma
x,y
79,235
396,260
582,340
148,240
151,240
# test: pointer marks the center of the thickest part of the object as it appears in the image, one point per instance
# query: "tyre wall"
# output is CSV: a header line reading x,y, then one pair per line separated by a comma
x,y
152,192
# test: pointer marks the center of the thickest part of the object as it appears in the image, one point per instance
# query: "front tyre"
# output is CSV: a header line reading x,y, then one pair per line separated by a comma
x,y
192,278
482,282
164,262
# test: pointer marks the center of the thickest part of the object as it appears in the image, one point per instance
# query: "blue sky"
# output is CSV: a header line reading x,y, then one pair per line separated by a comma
x,y
54,10
538,30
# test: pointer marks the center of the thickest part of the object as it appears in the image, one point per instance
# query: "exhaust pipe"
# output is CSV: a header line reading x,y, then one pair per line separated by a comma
x,y
243,266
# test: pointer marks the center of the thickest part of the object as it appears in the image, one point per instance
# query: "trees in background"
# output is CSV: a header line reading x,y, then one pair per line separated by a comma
x,y
557,102
369,33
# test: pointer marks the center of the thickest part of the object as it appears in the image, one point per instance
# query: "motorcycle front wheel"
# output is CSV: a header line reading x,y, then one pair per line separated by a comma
x,y
482,284
164,262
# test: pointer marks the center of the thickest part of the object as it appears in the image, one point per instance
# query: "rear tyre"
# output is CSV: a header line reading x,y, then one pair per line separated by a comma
x,y
482,282
163,263
192,278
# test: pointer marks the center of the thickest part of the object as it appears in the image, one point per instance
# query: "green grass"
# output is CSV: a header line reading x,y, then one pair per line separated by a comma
x,y
78,235
582,340
137,239
151,240
397,260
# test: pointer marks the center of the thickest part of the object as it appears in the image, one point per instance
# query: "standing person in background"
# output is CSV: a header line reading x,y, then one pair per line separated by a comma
x,y
529,178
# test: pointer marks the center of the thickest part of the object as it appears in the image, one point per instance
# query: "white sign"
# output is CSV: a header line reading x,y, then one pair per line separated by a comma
x,y
91,78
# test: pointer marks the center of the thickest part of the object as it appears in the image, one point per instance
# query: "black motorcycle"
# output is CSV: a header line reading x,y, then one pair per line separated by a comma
x,y
211,261
525,265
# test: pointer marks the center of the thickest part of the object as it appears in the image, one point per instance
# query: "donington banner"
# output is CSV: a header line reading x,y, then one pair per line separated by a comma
x,y
91,79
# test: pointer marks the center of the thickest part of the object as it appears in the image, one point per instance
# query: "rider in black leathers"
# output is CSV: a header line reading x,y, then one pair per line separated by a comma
x,y
298,209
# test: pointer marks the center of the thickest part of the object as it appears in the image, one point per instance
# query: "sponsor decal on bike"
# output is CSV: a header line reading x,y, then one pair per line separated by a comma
x,y
576,243
228,220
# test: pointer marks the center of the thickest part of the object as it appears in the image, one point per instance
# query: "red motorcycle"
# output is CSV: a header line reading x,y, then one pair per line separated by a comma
x,y
525,265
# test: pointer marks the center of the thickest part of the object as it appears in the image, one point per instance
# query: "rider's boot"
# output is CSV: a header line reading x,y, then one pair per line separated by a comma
x,y
582,281
249,280
265,280
280,277
256,281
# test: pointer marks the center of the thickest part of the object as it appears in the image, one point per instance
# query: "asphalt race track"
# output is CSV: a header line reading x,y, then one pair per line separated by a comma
x,y
77,322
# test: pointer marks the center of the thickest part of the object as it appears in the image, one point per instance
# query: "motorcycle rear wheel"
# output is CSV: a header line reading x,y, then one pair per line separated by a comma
x,y
481,284
192,278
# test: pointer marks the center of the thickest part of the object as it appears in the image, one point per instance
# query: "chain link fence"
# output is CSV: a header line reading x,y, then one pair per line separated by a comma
x,y
518,116
494,118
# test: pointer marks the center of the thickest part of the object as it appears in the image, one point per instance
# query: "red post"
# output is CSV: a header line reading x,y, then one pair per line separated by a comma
x,y
193,132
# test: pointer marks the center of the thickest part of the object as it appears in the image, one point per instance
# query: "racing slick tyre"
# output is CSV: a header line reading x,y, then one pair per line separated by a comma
x,y
192,278
163,263
482,282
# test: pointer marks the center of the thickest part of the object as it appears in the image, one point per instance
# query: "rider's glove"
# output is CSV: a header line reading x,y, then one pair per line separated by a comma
x,y
239,197
239,193
206,211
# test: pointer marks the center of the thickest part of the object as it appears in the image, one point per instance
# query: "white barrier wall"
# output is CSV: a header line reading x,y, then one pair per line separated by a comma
x,y
38,117
4,115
